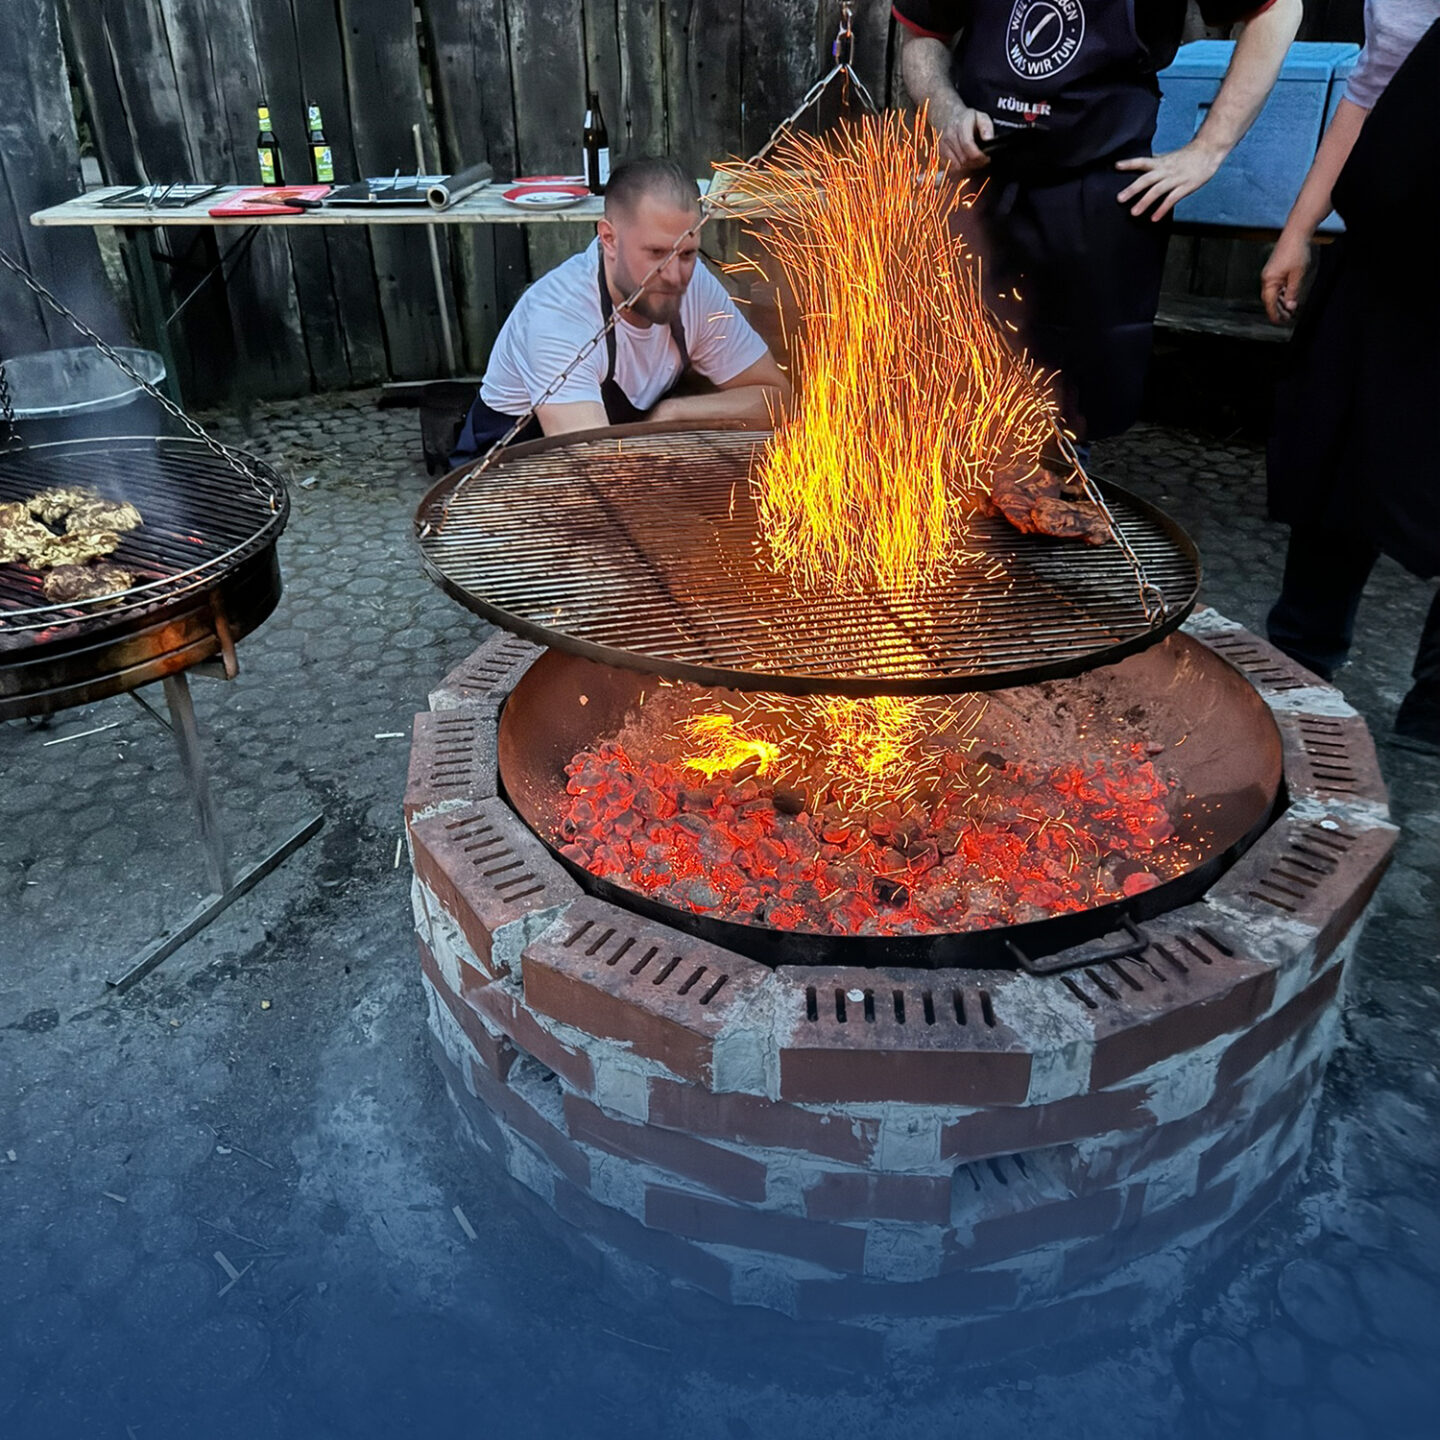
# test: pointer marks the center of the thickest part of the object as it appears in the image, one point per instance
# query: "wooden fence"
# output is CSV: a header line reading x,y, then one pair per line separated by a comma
x,y
168,88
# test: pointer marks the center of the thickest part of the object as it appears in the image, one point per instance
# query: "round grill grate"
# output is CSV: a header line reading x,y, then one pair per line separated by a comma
x,y
638,547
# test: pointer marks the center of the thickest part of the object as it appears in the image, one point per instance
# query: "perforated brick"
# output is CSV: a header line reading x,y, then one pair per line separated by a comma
x,y
1330,758
1313,872
452,762
927,1038
670,997
492,876
488,675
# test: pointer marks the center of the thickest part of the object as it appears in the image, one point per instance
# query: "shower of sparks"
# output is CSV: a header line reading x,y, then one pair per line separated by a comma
x,y
908,397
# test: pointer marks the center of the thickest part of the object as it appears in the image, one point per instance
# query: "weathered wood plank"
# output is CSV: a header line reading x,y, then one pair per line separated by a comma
x,y
320,55
382,72
470,67
547,54
40,166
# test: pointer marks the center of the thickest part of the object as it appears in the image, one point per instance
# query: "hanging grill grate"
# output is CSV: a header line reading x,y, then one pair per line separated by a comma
x,y
201,519
639,547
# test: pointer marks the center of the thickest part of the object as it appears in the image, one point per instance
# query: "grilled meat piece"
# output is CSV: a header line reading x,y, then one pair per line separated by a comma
x,y
20,533
72,549
85,582
1037,502
82,509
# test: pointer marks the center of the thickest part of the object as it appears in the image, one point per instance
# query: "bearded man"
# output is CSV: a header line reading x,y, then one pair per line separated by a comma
x,y
683,321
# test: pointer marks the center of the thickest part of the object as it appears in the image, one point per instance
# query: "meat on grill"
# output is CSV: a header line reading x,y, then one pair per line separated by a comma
x,y
1038,502
64,583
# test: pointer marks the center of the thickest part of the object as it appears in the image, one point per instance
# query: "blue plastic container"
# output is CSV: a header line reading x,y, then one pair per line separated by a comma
x,y
1260,179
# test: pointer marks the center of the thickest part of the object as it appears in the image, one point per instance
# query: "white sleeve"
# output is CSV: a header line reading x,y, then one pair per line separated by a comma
x,y
548,344
720,339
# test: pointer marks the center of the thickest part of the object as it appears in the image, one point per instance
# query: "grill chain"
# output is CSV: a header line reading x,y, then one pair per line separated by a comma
x,y
232,458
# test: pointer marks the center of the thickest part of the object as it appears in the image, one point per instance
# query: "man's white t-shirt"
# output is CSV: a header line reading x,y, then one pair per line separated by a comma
x,y
560,313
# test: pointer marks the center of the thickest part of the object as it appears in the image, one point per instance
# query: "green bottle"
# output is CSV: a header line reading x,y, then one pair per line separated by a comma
x,y
322,163
267,147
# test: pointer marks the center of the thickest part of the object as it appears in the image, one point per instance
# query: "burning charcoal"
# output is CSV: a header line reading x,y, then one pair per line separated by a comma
x,y
787,801
890,892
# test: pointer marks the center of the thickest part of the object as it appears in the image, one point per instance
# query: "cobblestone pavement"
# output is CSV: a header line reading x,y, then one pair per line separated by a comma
x,y
266,1096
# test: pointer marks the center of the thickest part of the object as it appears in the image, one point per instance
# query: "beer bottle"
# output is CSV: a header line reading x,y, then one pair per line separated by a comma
x,y
322,163
267,147
597,147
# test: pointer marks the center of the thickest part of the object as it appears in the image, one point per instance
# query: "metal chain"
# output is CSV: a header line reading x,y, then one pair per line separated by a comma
x,y
7,408
233,458
709,206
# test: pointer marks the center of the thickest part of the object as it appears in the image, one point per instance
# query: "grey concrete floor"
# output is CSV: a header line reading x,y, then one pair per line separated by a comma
x,y
267,1094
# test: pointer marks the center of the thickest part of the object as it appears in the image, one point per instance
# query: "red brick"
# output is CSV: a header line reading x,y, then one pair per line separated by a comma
x,y
522,1117
1275,1030
723,1171
839,1247
1185,991
665,994
931,1056
848,1195
1148,1235
1330,757
481,1119
753,1120
495,1051
1002,1237
951,1295
1016,1129
1311,874
452,761
1271,1122
985,1342
667,1253
488,675
509,1014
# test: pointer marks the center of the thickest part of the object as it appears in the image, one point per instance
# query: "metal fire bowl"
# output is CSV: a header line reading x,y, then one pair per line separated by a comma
x,y
1219,736
205,555
638,546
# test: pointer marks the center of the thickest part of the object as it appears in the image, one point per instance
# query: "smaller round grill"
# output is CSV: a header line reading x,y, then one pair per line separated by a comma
x,y
203,558
639,547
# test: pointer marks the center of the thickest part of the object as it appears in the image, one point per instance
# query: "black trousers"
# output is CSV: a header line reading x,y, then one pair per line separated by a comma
x,y
1314,619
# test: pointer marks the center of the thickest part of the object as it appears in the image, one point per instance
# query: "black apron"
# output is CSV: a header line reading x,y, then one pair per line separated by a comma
x,y
1352,451
484,425
1071,88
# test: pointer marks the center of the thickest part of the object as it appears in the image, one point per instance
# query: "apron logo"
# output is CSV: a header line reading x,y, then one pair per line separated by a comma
x,y
1043,36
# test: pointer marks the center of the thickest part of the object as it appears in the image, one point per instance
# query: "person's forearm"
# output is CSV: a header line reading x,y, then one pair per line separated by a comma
x,y
744,402
925,66
1259,54
1313,203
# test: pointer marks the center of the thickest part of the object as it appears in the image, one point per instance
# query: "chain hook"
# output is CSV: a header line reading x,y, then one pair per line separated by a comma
x,y
842,51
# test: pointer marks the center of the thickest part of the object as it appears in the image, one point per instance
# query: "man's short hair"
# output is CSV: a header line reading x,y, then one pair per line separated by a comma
x,y
655,175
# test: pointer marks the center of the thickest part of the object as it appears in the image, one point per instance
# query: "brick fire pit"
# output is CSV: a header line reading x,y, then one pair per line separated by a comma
x,y
996,1158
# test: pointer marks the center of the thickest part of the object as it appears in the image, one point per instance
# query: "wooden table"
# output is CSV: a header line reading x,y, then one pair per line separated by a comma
x,y
484,207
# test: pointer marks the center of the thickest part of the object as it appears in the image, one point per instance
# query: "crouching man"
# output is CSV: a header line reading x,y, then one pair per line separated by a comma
x,y
683,321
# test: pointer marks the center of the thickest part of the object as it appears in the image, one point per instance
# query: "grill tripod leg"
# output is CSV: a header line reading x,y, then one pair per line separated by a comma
x,y
197,778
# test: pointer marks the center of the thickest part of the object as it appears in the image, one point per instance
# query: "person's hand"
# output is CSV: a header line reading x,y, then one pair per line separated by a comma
x,y
1283,275
1167,178
961,131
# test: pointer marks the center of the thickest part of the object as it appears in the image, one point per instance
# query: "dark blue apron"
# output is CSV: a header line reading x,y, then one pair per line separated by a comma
x,y
484,425
1071,89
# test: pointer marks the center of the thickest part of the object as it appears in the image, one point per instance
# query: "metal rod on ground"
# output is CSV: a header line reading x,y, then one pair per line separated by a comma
x,y
441,299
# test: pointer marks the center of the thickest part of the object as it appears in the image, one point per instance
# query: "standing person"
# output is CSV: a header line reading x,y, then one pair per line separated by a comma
x,y
1055,101
1352,461
684,320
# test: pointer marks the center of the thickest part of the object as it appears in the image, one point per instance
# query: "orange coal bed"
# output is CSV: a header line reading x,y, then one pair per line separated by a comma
x,y
857,1042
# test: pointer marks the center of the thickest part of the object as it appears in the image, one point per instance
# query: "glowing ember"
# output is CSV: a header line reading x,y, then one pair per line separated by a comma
x,y
908,396
783,837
